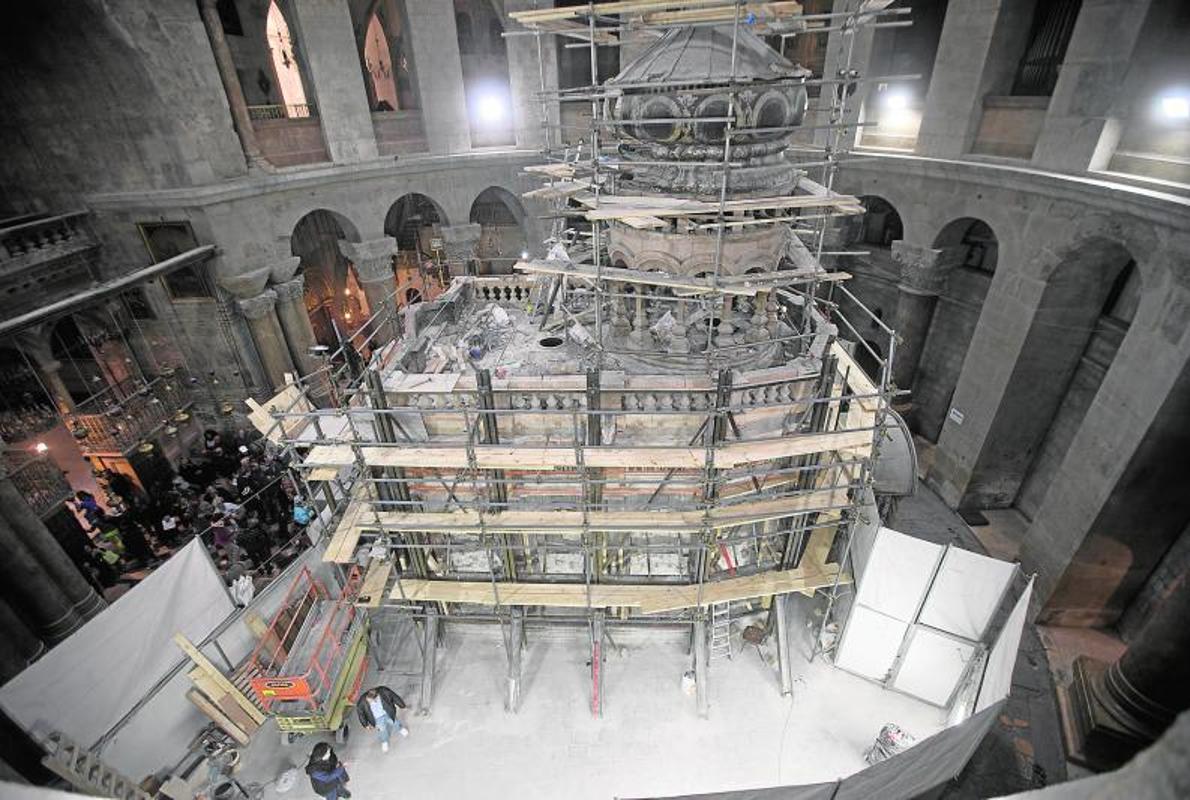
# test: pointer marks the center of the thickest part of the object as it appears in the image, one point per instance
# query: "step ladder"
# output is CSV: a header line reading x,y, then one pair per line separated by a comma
x,y
720,631
85,771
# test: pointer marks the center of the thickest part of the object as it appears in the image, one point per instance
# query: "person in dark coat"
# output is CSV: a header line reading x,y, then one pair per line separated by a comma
x,y
377,708
328,778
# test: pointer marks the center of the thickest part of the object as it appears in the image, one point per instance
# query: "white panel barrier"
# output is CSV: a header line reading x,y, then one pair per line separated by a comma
x,y
898,574
966,593
870,643
933,665
920,614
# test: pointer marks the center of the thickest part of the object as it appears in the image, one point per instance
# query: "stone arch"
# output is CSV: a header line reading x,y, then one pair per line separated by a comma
x,y
332,290
503,237
970,253
380,75
1038,413
413,220
880,225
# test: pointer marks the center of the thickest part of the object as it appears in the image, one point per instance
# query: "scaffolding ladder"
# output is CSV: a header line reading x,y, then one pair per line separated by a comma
x,y
720,631
85,771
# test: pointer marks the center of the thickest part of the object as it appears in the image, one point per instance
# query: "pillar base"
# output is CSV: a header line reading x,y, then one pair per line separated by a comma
x,y
1093,736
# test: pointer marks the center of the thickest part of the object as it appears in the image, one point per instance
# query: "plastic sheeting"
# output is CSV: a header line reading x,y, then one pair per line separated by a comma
x,y
997,675
933,665
870,643
87,683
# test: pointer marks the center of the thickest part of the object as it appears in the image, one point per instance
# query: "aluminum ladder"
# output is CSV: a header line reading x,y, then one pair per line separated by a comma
x,y
720,631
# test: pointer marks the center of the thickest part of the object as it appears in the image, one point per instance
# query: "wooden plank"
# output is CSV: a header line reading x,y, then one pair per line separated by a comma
x,y
644,223
620,206
649,598
546,522
218,717
341,548
647,7
738,285
220,679
371,591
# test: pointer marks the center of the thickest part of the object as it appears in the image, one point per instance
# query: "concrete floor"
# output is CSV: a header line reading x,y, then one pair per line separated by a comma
x,y
650,741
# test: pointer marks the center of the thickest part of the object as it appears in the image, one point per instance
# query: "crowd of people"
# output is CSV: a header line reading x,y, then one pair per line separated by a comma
x,y
18,424
234,491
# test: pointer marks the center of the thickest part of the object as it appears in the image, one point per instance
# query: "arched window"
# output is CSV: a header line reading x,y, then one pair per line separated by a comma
x,y
285,65
379,63
463,26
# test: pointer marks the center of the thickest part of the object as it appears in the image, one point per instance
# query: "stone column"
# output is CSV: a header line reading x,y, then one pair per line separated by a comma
x,y
525,72
440,75
295,323
923,277
332,54
46,549
978,53
1121,708
37,595
231,85
1079,132
460,242
261,313
49,371
373,261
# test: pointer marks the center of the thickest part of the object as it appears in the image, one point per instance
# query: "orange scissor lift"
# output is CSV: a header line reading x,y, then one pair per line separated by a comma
x,y
312,659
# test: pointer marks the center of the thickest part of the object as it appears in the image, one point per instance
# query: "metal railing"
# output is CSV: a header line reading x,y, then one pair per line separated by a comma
x,y
109,423
283,111
39,480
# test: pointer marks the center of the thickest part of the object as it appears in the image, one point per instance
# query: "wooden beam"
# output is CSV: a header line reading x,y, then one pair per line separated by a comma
x,y
219,678
341,548
729,455
743,286
371,591
621,206
649,598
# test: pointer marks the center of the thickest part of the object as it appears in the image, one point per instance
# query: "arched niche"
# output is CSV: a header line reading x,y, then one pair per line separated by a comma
x,y
1092,281
972,247
287,71
333,296
503,238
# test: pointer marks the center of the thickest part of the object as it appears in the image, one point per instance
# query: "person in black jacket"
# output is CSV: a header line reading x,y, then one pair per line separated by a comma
x,y
377,708
327,776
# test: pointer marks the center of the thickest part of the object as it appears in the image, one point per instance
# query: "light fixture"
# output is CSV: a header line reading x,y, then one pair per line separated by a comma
x,y
524,255
896,100
42,447
491,108
1175,106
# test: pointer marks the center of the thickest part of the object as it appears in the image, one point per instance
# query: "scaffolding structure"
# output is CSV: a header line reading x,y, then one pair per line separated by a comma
x,y
627,484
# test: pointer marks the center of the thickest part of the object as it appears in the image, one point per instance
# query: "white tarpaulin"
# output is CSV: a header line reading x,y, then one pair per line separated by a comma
x,y
87,683
933,665
997,676
898,574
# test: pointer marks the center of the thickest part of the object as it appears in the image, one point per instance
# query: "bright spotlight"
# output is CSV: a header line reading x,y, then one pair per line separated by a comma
x,y
42,447
524,255
1175,106
897,100
491,108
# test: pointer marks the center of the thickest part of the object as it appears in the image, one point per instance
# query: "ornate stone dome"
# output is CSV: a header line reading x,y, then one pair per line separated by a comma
x,y
694,68
692,62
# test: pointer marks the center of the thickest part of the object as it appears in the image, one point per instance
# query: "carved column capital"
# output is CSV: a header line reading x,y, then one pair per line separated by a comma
x,y
924,269
373,259
258,307
291,290
461,241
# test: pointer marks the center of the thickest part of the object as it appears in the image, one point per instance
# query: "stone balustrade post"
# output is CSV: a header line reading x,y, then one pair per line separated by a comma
x,y
373,261
261,313
923,277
